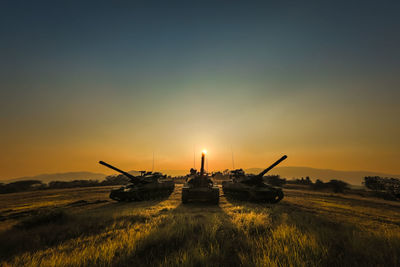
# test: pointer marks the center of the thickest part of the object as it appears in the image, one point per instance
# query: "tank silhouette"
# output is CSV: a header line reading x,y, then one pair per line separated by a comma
x,y
251,187
200,187
147,186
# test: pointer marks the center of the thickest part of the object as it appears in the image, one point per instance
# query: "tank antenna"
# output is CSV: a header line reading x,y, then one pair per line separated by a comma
x,y
194,157
153,163
233,162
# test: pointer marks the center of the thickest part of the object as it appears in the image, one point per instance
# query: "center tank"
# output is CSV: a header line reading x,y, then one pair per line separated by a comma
x,y
200,187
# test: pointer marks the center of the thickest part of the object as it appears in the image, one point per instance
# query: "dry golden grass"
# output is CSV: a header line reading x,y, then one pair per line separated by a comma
x,y
304,229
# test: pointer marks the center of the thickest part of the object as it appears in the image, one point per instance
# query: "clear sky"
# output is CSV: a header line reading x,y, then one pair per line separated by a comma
x,y
82,82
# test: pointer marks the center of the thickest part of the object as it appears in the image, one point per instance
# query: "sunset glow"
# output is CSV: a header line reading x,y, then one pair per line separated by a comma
x,y
253,81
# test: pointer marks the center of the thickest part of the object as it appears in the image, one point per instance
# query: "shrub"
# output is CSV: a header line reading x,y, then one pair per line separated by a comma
x,y
387,188
20,186
306,181
275,180
115,180
41,218
338,186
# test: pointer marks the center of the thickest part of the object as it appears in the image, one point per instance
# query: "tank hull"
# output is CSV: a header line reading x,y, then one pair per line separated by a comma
x,y
200,194
253,193
143,192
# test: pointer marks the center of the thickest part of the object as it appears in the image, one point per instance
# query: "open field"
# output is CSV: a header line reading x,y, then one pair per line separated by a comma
x,y
305,229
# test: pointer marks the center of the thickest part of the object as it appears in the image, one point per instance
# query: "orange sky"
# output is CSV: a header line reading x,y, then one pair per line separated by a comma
x,y
312,131
81,83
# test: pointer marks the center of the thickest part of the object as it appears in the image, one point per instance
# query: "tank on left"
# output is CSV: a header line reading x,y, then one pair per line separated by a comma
x,y
146,186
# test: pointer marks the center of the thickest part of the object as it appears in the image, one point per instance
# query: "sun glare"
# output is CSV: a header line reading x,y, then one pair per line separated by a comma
x,y
204,151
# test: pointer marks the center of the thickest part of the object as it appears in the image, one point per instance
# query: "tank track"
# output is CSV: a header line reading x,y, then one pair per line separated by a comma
x,y
140,196
247,196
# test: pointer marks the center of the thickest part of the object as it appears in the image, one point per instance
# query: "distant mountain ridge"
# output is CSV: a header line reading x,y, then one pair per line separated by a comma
x,y
65,176
351,177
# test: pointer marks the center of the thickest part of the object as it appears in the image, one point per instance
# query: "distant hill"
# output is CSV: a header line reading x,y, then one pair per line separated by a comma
x,y
351,177
66,176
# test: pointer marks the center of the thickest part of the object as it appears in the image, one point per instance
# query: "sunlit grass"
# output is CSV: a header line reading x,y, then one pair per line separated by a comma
x,y
299,231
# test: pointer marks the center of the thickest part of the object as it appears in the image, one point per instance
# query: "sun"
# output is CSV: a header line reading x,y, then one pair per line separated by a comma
x,y
204,151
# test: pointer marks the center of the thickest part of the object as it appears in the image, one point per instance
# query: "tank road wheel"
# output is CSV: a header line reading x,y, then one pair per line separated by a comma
x,y
185,198
159,194
114,197
146,196
216,198
225,192
138,197
251,196
278,197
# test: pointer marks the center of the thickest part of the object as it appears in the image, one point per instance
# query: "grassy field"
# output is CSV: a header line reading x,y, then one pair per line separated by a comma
x,y
80,227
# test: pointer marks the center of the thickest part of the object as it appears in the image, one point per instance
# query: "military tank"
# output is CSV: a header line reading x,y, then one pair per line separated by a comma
x,y
148,185
251,187
200,187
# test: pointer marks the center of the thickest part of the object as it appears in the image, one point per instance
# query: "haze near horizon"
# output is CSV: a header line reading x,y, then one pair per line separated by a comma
x,y
83,82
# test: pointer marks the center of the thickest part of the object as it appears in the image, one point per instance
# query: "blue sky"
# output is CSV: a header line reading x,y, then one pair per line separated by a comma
x,y
119,79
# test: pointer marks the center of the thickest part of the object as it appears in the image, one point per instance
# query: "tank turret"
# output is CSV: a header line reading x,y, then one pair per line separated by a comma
x,y
146,186
251,187
199,186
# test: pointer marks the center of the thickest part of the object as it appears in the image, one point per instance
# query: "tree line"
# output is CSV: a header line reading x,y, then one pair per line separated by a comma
x,y
334,185
30,185
388,188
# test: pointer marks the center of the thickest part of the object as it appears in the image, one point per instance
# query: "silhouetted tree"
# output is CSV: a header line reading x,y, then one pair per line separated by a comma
x,y
72,184
19,186
389,188
318,184
306,181
2,188
275,180
374,183
116,180
338,186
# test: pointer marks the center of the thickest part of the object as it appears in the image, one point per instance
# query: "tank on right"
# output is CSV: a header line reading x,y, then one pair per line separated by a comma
x,y
251,187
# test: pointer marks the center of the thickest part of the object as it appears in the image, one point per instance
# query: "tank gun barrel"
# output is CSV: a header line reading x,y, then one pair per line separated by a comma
x,y
130,176
202,164
261,174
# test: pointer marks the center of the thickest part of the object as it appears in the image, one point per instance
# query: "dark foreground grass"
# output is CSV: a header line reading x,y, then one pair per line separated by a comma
x,y
303,230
